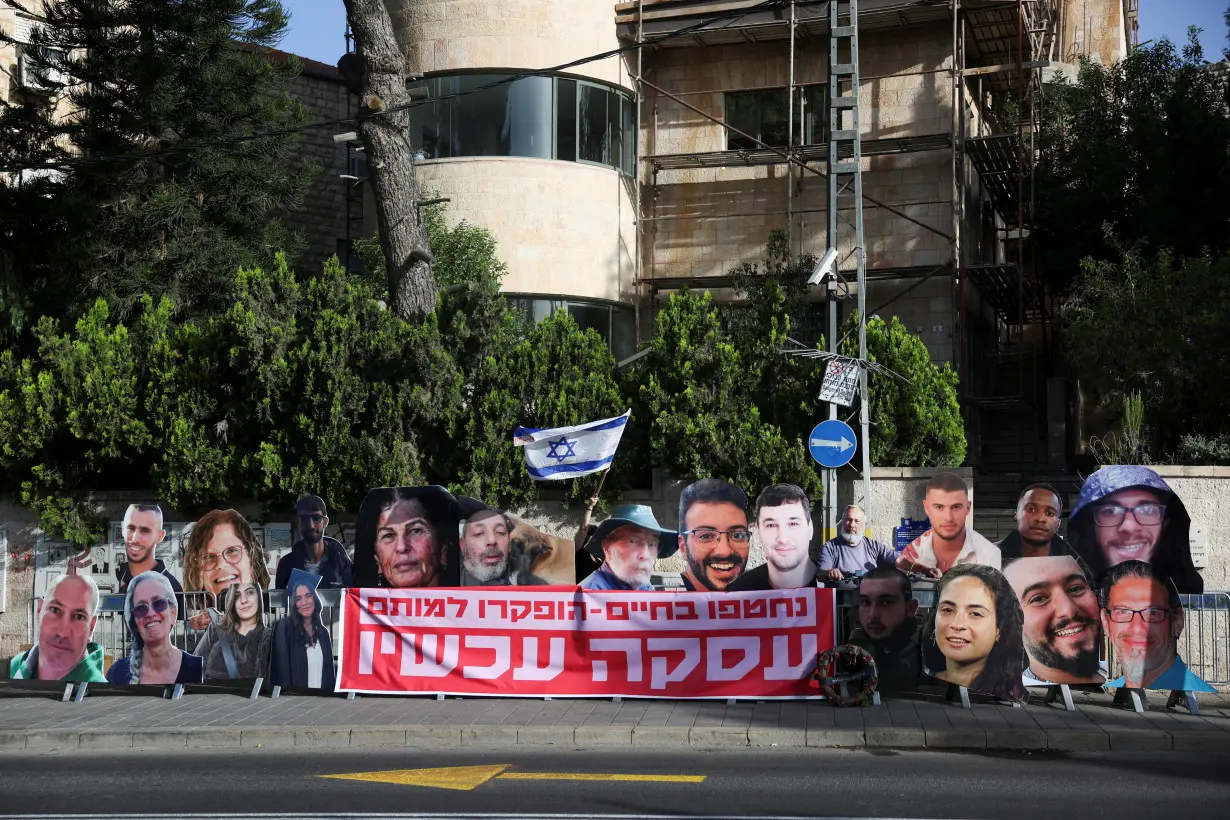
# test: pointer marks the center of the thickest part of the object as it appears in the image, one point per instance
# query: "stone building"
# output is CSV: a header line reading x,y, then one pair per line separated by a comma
x,y
659,194
333,210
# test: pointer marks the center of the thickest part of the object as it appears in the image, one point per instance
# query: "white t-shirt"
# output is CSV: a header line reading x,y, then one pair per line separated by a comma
x,y
316,665
314,569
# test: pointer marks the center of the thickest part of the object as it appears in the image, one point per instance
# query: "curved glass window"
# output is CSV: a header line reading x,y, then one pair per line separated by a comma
x,y
544,117
616,324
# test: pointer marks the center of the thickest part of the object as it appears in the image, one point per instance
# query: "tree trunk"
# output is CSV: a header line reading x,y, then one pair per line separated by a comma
x,y
390,160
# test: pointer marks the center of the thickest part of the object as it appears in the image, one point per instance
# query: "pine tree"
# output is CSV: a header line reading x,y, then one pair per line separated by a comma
x,y
146,117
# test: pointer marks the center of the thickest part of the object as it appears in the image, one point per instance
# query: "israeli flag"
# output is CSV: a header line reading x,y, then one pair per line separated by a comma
x,y
568,452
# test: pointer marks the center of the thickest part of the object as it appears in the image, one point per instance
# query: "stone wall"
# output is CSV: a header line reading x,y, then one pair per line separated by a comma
x,y
561,227
906,92
446,35
322,220
1206,495
1093,29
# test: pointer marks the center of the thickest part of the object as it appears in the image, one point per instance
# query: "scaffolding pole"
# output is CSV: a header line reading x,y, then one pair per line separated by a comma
x,y
790,138
844,172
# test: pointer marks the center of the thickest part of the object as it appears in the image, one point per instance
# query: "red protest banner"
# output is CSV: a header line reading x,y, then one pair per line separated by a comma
x,y
582,643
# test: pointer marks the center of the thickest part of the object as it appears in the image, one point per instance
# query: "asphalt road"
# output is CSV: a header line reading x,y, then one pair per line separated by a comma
x,y
759,783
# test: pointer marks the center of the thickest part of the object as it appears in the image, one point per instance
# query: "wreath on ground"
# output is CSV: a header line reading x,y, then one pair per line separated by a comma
x,y
852,666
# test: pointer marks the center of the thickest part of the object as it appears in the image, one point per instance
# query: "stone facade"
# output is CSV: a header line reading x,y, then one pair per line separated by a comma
x,y
561,227
323,217
448,35
907,93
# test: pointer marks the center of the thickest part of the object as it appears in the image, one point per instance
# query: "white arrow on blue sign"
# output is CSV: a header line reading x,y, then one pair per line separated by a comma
x,y
832,443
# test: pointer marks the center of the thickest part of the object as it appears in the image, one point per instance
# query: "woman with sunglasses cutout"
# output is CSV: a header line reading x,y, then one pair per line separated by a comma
x,y
150,611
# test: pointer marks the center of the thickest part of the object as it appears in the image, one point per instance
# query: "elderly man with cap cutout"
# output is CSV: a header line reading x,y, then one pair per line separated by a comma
x,y
315,552
628,543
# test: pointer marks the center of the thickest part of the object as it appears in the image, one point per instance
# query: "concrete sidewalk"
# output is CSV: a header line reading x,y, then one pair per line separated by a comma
x,y
39,722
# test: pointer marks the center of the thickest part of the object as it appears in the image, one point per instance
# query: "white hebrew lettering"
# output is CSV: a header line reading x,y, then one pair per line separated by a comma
x,y
367,647
691,659
428,667
715,648
630,647
529,668
501,645
782,669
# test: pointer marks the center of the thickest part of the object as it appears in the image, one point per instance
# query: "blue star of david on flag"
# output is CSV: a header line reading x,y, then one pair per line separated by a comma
x,y
562,443
569,452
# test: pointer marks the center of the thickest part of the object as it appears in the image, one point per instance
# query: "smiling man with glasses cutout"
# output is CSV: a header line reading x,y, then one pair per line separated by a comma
x,y
1128,513
1143,616
713,534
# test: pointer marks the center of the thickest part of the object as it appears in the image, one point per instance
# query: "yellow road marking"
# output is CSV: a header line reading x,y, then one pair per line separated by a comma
x,y
638,778
467,778
458,778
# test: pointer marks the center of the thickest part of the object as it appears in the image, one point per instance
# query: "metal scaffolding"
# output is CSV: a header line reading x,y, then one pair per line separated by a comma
x,y
994,77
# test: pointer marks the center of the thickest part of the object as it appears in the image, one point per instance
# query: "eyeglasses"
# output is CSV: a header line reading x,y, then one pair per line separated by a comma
x,y
1152,615
158,605
710,536
315,518
1112,515
231,555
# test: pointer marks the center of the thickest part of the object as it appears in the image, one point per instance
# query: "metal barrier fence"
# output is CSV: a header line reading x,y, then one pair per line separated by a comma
x,y
1204,645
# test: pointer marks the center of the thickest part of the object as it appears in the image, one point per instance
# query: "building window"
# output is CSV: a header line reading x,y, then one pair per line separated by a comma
x,y
616,324
763,114
543,117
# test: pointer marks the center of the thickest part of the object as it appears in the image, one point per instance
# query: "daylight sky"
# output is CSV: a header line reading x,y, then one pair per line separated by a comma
x,y
317,27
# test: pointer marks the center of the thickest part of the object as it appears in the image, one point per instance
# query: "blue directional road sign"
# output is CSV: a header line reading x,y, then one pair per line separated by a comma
x,y
832,443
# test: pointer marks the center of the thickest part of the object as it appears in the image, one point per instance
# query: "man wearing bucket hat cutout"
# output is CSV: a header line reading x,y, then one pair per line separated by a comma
x,y
628,543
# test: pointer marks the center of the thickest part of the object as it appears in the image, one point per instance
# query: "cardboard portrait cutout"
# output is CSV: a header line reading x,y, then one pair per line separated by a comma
x,y
143,531
332,563
975,637
714,534
219,550
406,538
783,529
499,549
1129,513
302,647
1143,617
627,544
951,540
237,646
1062,624
889,628
152,615
64,648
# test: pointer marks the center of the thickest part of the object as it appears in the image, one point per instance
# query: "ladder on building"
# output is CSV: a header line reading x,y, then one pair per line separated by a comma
x,y
845,175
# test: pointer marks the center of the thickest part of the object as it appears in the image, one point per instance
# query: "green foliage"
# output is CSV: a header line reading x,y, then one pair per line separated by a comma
x,y
294,388
558,375
1204,450
916,423
1155,326
133,213
1127,446
703,420
1135,150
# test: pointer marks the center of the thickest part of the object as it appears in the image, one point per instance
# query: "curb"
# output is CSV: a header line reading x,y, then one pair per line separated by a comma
x,y
588,737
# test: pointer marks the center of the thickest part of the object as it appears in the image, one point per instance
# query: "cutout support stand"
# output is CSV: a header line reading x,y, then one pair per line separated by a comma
x,y
1180,697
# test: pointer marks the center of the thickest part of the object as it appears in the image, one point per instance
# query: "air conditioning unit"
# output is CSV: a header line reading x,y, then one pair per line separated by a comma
x,y
44,75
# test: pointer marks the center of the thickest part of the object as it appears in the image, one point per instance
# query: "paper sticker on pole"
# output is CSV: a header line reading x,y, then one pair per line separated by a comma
x,y
841,378
832,443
